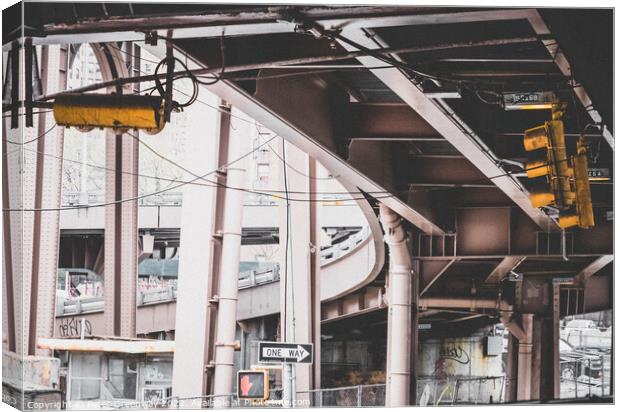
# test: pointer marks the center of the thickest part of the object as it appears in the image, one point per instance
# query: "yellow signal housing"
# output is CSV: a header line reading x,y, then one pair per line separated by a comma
x,y
563,171
542,198
567,221
536,138
114,111
548,140
584,216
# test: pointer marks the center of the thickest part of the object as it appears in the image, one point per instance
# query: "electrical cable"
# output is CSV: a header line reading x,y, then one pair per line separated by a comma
x,y
265,193
8,153
220,76
288,228
459,81
330,177
388,60
268,192
135,197
219,109
31,140
23,114
209,184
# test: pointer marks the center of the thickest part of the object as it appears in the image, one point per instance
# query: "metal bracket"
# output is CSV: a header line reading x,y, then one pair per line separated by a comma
x,y
150,38
235,344
169,79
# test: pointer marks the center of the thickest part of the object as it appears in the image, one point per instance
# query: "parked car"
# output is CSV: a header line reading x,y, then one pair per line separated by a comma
x,y
575,363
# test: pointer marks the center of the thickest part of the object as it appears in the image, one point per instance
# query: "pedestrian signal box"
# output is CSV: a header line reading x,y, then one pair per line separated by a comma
x,y
253,384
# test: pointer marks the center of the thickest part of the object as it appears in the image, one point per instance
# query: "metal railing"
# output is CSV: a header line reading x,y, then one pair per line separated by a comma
x,y
265,273
157,295
333,252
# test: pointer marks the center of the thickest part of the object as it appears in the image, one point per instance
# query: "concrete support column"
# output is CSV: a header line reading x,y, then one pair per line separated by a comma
x,y
510,394
237,177
524,372
299,291
413,351
194,313
549,348
315,275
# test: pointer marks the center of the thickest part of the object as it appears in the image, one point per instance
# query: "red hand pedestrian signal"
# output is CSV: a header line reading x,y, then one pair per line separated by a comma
x,y
253,384
245,386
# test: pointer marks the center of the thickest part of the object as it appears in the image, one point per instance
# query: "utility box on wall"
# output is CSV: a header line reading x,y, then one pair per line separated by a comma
x,y
493,345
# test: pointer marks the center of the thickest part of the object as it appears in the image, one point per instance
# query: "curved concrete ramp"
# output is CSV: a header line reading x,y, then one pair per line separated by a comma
x,y
361,256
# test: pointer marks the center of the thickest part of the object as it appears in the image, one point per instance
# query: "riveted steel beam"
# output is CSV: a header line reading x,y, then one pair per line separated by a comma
x,y
314,144
554,49
507,264
591,269
444,120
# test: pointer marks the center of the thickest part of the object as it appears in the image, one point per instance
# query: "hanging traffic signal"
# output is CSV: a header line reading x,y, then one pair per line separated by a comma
x,y
115,111
549,164
253,385
581,214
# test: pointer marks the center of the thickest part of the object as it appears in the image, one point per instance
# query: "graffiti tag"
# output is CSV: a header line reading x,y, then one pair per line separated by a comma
x,y
456,353
69,327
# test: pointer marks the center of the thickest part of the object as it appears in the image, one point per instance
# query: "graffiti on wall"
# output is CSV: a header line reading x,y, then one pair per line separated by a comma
x,y
455,353
72,327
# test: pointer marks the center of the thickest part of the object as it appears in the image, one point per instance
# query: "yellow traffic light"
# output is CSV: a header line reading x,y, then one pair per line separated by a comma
x,y
115,111
583,214
549,160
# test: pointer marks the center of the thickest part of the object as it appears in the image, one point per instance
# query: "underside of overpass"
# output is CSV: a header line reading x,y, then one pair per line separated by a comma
x,y
418,112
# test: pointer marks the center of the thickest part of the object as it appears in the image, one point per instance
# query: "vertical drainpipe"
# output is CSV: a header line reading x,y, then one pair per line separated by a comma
x,y
399,310
229,269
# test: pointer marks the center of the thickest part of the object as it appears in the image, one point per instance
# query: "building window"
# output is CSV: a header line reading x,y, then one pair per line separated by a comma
x,y
262,174
85,377
122,374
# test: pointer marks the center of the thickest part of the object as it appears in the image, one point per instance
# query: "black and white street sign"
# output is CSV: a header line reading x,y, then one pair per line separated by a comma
x,y
285,352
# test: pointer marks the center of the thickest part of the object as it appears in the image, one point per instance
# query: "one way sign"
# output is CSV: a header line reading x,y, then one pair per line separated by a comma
x,y
285,352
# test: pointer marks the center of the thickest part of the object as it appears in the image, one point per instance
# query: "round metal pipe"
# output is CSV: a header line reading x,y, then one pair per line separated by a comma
x,y
462,303
229,271
399,291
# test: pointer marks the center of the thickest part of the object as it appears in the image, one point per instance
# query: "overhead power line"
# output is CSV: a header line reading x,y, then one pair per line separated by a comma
x,y
135,197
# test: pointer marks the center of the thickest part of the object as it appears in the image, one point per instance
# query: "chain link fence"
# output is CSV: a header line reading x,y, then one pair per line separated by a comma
x,y
578,379
430,391
585,377
460,390
351,396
